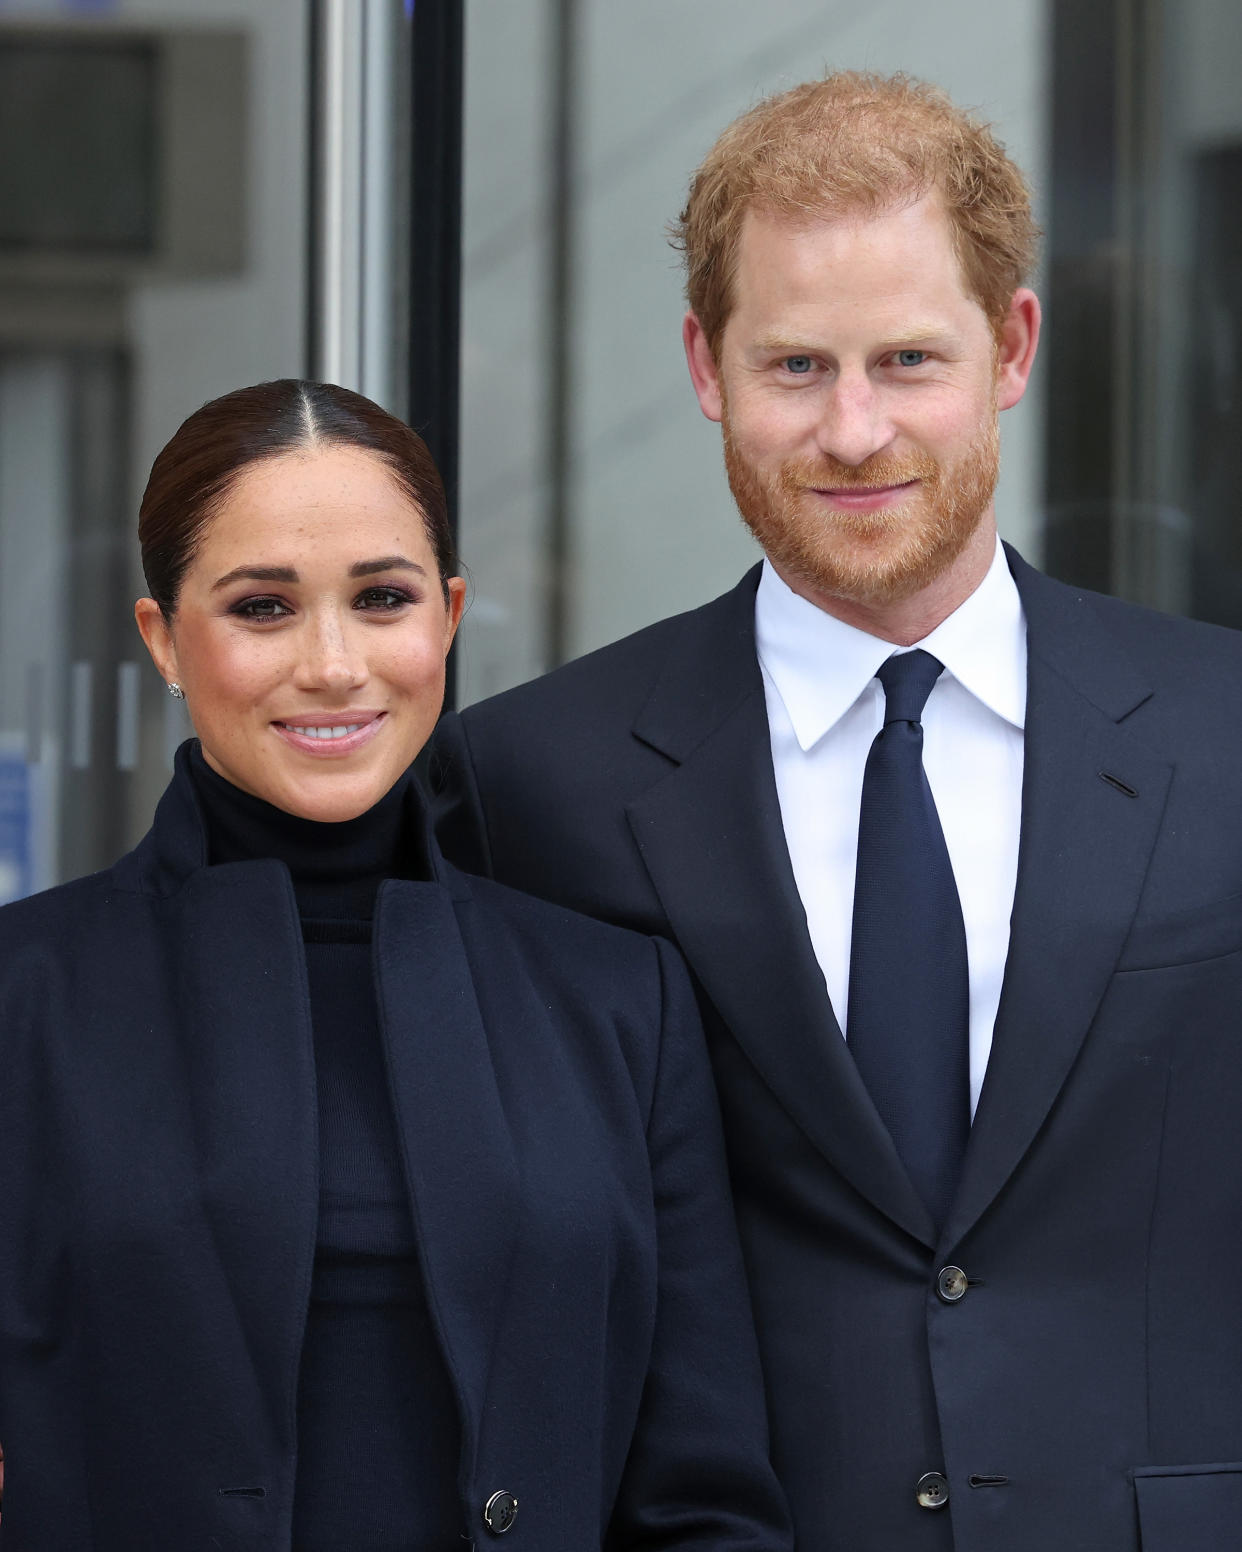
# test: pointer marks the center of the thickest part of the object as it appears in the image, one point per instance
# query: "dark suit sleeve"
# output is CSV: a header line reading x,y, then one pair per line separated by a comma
x,y
456,806
697,1474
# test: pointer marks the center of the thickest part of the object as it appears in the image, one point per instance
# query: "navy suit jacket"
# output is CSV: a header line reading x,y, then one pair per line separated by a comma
x,y
1086,1391
160,1189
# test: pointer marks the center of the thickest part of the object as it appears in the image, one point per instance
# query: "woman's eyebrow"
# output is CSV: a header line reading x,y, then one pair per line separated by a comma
x,y
368,568
256,574
362,568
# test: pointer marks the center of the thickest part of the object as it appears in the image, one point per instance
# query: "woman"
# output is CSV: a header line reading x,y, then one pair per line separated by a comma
x,y
349,1203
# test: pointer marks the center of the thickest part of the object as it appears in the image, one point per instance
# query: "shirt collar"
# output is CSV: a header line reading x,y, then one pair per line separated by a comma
x,y
819,665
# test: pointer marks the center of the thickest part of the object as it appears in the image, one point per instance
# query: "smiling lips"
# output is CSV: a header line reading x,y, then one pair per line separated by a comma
x,y
324,738
864,498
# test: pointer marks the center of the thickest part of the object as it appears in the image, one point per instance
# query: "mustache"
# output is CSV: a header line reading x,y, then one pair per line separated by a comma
x,y
874,473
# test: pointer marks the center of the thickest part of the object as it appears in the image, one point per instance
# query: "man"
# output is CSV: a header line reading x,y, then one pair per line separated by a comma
x,y
952,851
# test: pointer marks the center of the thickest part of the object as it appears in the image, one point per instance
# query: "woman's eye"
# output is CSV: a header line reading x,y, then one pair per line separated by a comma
x,y
383,599
911,357
261,609
798,365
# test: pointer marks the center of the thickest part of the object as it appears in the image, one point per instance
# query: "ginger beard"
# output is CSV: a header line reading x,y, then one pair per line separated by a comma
x,y
876,557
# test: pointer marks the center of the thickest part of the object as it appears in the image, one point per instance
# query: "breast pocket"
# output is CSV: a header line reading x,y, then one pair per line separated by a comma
x,y
1205,932
1189,1508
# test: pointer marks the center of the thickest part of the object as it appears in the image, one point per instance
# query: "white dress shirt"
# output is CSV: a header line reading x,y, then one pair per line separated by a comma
x,y
825,707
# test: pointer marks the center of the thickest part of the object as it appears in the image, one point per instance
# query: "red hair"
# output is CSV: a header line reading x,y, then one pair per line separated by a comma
x,y
856,143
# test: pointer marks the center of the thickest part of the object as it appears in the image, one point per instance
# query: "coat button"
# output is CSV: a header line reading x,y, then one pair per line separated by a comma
x,y
499,1513
951,1284
932,1490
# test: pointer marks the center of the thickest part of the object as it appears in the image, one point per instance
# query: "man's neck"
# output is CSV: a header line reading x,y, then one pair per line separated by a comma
x,y
907,620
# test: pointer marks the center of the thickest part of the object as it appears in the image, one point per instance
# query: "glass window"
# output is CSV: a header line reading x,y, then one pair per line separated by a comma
x,y
194,195
153,253
1146,304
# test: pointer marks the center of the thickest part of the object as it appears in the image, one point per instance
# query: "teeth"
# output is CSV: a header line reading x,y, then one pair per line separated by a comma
x,y
329,732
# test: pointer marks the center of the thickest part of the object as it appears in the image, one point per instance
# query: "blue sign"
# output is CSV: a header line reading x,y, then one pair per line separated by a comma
x,y
15,827
52,7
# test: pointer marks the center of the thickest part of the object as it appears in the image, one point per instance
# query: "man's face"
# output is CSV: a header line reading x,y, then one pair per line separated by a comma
x,y
858,387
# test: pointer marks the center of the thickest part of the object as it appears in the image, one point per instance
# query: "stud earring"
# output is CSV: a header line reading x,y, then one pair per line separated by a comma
x,y
175,690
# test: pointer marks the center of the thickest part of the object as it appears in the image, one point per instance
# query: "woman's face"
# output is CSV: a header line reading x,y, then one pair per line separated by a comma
x,y
310,633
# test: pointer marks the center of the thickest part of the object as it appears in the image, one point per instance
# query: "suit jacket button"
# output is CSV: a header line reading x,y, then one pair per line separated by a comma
x,y
499,1513
951,1284
932,1490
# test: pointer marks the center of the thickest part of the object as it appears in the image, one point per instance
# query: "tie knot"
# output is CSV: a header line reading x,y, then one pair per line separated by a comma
x,y
907,679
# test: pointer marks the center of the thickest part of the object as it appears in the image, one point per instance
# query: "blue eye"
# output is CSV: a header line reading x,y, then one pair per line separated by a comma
x,y
911,357
798,365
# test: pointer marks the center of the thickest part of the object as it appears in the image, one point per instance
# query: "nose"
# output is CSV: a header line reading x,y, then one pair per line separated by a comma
x,y
853,424
330,656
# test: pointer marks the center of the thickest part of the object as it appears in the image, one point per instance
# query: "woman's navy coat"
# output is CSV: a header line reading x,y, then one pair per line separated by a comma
x,y
158,1196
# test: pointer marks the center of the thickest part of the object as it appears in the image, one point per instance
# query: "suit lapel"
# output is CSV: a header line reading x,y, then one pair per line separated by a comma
x,y
710,834
458,1155
711,837
1083,857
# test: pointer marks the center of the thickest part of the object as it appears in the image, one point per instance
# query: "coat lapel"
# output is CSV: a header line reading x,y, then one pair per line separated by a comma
x,y
458,1156
1083,857
241,1017
237,955
711,837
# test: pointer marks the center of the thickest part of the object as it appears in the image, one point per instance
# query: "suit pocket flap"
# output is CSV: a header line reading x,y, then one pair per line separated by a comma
x,y
1189,1508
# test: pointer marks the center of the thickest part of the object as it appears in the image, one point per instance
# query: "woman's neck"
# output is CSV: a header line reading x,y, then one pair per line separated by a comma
x,y
336,868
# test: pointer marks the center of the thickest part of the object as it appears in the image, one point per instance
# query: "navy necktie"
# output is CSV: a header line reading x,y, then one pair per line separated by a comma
x,y
909,995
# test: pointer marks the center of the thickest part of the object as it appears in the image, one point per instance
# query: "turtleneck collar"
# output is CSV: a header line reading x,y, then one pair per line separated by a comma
x,y
336,868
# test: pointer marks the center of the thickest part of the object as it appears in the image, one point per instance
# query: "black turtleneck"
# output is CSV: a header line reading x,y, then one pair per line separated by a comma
x,y
336,868
377,1424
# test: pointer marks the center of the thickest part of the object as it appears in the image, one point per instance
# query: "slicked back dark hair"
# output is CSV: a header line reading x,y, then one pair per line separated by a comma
x,y
197,467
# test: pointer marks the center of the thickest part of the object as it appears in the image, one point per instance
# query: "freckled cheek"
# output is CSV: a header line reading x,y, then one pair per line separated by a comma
x,y
417,671
774,430
239,676
944,428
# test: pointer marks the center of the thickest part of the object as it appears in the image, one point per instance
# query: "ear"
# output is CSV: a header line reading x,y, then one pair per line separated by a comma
x,y
1018,342
704,373
456,604
157,634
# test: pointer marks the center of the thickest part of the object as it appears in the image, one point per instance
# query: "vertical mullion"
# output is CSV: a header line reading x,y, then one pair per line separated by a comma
x,y
559,311
437,36
1082,270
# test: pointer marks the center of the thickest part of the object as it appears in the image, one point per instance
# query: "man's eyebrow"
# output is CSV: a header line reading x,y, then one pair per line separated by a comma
x,y
902,339
773,342
925,334
256,574
368,568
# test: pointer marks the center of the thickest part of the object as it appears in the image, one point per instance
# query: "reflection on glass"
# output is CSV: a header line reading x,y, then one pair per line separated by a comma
x,y
153,190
